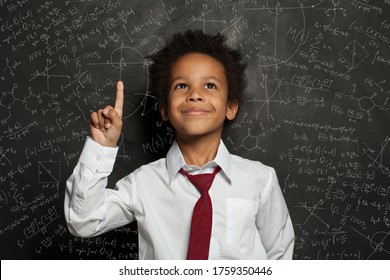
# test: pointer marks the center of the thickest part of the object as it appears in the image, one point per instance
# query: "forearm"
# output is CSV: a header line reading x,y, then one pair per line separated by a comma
x,y
283,246
89,206
84,201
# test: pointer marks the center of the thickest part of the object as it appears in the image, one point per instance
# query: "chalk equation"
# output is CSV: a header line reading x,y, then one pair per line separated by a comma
x,y
316,108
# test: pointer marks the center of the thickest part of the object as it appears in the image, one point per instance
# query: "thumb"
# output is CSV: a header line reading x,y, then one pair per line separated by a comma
x,y
113,117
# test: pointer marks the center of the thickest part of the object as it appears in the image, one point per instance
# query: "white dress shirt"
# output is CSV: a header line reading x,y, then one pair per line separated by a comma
x,y
250,217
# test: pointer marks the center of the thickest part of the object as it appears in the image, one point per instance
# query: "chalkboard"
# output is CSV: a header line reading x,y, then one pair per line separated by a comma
x,y
316,109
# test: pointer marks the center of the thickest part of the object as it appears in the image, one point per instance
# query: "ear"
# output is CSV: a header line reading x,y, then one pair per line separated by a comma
x,y
163,112
231,110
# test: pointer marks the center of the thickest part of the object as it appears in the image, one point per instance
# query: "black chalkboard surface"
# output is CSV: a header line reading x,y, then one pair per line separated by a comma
x,y
316,109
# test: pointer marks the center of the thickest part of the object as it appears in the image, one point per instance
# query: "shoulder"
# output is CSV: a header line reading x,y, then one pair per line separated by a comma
x,y
254,167
154,167
151,175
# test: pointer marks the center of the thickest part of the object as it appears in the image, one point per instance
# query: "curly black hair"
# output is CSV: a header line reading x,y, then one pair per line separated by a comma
x,y
195,41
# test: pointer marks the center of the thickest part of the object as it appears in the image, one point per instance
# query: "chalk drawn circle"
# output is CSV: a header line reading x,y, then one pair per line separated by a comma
x,y
363,148
133,67
379,241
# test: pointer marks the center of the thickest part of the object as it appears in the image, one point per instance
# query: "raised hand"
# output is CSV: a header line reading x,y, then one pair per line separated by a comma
x,y
106,124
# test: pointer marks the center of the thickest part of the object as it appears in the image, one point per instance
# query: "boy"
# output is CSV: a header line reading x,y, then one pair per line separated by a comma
x,y
198,81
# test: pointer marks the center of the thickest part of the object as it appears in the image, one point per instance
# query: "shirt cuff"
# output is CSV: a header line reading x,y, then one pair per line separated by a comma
x,y
98,157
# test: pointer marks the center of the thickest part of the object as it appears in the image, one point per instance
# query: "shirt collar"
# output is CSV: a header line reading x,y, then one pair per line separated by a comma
x,y
175,161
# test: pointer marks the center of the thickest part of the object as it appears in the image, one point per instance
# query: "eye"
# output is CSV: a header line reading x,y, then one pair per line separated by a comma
x,y
210,86
181,86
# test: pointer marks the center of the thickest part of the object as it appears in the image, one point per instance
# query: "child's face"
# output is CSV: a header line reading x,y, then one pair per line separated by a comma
x,y
198,97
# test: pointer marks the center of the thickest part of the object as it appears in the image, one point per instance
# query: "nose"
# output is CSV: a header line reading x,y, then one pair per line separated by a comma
x,y
195,96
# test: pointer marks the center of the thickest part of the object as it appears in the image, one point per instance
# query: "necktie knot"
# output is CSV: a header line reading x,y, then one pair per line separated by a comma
x,y
202,182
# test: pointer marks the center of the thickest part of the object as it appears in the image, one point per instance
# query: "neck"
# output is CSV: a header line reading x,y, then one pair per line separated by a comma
x,y
198,152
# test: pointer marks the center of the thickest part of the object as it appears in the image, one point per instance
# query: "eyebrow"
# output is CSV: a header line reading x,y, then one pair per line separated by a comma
x,y
184,78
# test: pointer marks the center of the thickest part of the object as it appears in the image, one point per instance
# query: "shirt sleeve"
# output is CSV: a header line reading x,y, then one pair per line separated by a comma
x,y
274,222
91,208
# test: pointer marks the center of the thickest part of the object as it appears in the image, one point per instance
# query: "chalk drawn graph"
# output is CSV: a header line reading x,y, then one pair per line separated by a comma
x,y
46,73
379,242
125,57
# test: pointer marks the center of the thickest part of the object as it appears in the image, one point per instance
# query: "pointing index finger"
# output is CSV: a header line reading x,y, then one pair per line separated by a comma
x,y
119,97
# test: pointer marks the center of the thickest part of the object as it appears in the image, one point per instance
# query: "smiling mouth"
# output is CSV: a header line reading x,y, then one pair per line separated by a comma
x,y
194,112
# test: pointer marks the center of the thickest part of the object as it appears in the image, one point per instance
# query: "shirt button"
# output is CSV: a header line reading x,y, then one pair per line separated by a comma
x,y
99,157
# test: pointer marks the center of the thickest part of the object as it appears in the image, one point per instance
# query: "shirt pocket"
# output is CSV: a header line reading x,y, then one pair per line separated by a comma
x,y
241,231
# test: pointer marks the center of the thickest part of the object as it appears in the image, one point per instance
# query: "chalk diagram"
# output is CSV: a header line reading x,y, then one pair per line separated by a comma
x,y
49,172
47,74
354,54
274,57
7,100
367,104
41,102
278,13
126,58
378,160
332,12
273,94
203,19
122,153
251,142
312,210
3,156
378,242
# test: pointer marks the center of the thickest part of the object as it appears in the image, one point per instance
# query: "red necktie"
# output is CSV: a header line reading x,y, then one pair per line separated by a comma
x,y
198,248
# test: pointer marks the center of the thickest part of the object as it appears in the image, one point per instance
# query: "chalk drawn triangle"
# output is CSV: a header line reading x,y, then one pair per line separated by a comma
x,y
49,172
